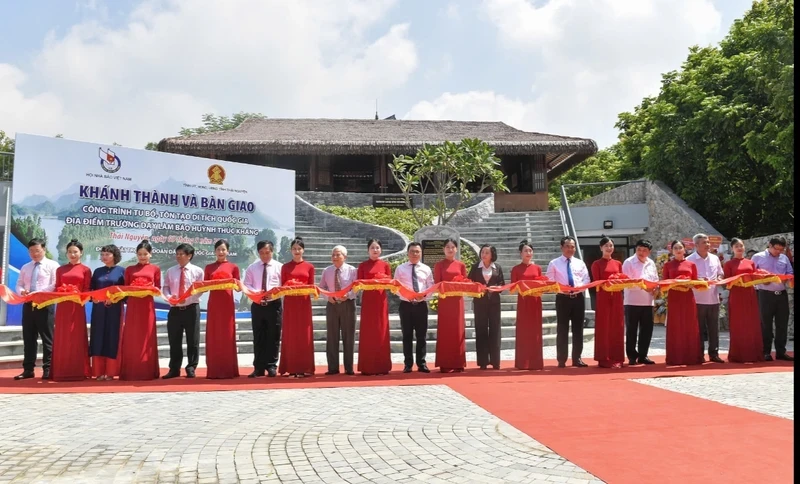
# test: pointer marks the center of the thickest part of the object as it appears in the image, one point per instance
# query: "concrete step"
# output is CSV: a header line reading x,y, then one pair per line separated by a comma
x,y
246,347
12,345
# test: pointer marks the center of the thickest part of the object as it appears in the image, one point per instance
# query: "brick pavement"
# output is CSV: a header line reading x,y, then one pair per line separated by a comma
x,y
769,393
427,434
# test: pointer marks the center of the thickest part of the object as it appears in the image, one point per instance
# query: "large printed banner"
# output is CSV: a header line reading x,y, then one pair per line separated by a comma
x,y
101,194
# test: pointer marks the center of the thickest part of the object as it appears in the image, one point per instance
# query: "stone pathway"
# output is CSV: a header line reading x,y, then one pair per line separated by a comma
x,y
425,434
769,393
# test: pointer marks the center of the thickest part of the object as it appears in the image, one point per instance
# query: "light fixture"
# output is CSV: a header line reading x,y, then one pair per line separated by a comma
x,y
608,224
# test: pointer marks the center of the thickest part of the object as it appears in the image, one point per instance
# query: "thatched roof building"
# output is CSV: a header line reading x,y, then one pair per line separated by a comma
x,y
360,149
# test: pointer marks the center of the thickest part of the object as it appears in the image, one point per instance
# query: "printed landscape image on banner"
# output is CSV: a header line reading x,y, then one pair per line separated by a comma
x,y
101,194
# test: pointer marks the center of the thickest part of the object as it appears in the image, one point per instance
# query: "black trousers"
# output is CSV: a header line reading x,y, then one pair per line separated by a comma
x,y
487,332
37,323
179,320
708,319
414,321
569,310
638,321
266,335
773,307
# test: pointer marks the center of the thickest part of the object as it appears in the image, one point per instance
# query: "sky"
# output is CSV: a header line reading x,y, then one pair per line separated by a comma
x,y
134,71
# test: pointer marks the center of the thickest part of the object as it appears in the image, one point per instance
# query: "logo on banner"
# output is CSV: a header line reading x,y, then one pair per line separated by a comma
x,y
109,161
216,174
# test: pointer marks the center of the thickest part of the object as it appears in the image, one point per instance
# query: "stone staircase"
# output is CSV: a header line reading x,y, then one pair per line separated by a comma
x,y
503,230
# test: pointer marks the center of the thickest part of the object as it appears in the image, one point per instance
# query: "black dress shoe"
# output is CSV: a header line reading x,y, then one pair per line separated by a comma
x,y
632,363
24,375
562,365
784,357
646,361
272,373
351,372
423,368
46,375
190,373
579,363
495,367
768,357
332,372
171,374
407,369
483,367
716,359
256,374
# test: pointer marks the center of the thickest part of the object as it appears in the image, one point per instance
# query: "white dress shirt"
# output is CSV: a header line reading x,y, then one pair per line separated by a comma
x,y
347,274
422,273
711,269
46,280
557,271
636,269
254,274
172,282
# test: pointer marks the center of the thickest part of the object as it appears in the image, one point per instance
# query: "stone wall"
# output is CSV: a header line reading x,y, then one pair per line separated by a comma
x,y
393,240
670,217
759,244
353,200
474,213
633,192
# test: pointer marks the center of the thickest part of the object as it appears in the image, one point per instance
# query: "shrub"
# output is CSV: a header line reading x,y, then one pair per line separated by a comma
x,y
398,219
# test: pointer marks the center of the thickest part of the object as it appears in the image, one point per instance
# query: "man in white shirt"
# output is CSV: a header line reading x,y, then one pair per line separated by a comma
x,y
261,276
418,277
340,313
183,316
571,306
708,269
773,300
639,303
38,275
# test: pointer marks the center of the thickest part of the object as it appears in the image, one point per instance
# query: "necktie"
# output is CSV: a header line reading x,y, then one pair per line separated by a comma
x,y
264,278
414,282
570,280
337,283
34,277
182,282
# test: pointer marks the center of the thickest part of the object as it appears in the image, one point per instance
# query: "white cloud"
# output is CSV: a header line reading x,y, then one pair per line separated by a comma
x,y
174,60
592,59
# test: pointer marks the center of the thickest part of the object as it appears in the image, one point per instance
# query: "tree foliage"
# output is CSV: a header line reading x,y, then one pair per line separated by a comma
x,y
6,142
720,133
462,170
213,123
605,166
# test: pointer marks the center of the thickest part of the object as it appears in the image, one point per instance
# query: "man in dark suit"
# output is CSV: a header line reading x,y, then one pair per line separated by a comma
x,y
487,308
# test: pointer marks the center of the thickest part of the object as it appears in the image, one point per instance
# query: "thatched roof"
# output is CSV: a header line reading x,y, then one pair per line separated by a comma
x,y
367,137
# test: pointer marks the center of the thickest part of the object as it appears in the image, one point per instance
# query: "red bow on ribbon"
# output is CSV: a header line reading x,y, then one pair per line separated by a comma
x,y
460,278
617,276
221,275
141,282
294,282
68,288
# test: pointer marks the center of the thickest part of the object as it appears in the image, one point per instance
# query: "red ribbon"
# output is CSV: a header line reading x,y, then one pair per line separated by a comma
x,y
535,287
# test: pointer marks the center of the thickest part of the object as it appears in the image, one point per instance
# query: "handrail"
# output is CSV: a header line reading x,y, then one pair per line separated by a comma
x,y
569,225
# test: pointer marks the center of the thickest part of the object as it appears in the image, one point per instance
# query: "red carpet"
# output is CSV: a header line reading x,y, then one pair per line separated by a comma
x,y
626,432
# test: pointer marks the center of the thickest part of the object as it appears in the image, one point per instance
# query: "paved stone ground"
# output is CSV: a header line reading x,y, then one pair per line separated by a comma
x,y
769,393
346,435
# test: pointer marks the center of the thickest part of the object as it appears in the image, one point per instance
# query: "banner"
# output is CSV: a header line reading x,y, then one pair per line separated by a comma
x,y
100,194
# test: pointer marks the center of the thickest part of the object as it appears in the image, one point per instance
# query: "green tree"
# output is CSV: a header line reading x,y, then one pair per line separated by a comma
x,y
27,228
605,166
267,234
212,123
285,252
151,146
720,132
460,170
6,142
